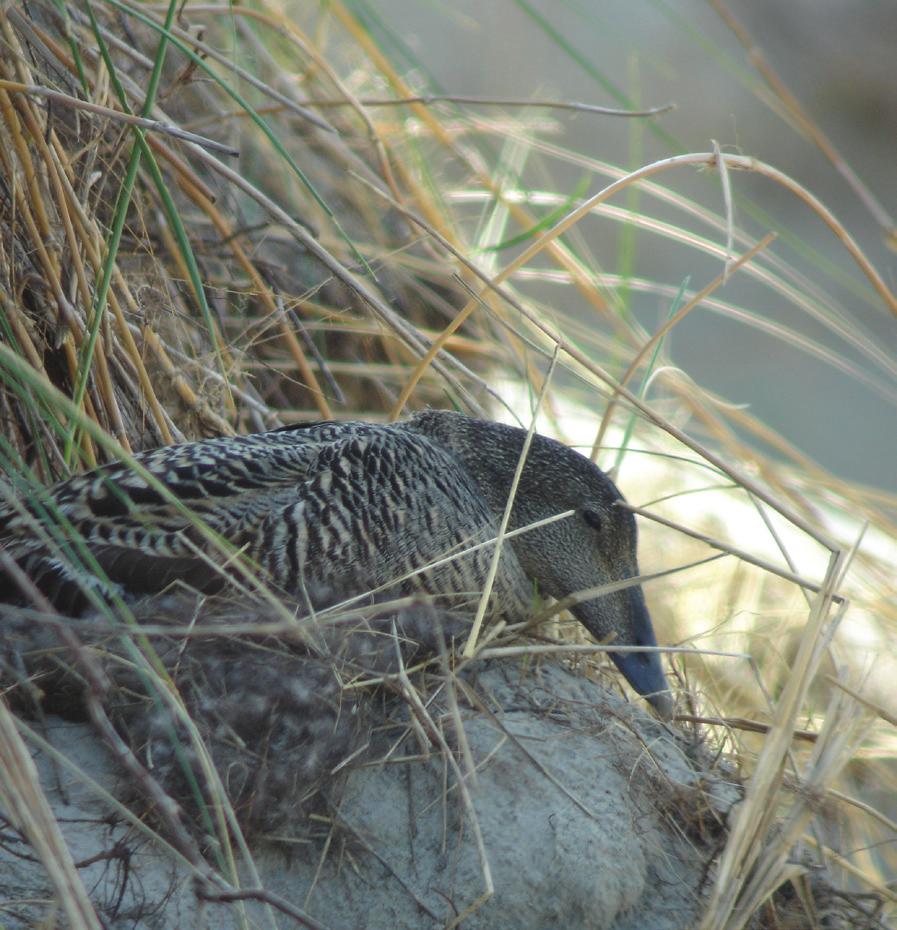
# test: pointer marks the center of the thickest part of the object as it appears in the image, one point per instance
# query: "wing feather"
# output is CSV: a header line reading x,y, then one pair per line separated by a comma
x,y
345,506
143,538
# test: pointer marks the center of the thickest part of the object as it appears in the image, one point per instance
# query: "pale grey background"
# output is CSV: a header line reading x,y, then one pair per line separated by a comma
x,y
838,56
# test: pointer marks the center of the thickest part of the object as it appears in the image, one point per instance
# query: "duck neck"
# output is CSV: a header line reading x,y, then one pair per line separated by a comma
x,y
488,451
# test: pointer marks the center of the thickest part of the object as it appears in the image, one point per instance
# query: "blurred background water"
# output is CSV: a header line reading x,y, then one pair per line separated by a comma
x,y
837,57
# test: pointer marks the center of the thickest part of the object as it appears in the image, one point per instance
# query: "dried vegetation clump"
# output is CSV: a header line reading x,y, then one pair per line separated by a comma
x,y
275,708
188,283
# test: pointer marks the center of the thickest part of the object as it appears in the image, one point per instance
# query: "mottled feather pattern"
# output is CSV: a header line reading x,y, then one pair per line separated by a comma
x,y
339,505
379,507
349,507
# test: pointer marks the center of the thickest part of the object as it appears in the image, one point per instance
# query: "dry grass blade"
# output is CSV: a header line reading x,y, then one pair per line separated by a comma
x,y
471,644
842,732
433,732
806,124
751,829
22,798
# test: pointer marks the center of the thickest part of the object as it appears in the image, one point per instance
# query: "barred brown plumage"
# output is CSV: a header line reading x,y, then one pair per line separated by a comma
x,y
346,508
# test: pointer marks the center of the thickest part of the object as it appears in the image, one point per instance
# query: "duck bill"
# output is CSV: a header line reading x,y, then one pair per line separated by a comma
x,y
643,670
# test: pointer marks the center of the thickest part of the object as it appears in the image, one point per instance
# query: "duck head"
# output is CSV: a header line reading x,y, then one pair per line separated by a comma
x,y
594,547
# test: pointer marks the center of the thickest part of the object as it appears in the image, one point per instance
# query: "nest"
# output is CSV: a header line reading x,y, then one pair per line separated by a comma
x,y
263,721
234,725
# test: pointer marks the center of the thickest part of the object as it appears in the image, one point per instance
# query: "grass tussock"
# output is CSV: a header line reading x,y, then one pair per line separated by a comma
x,y
215,223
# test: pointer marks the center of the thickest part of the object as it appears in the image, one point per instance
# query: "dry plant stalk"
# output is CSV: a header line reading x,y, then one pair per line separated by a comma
x,y
22,799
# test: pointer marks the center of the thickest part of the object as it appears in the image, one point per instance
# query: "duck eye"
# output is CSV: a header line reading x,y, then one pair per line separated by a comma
x,y
592,517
